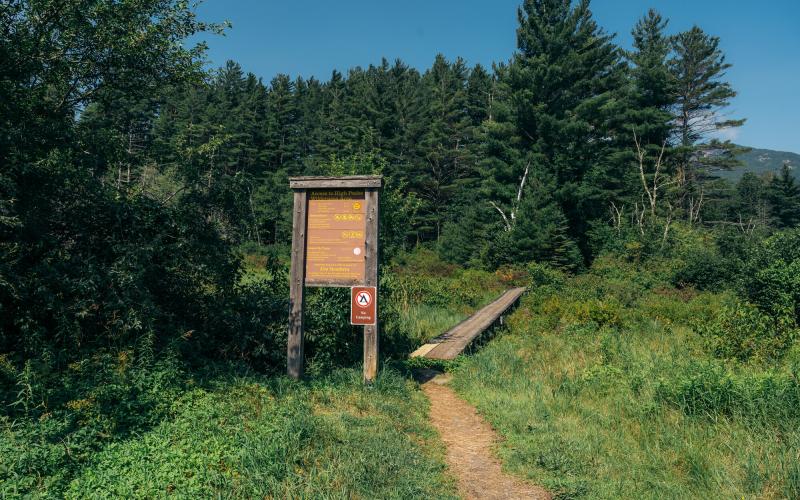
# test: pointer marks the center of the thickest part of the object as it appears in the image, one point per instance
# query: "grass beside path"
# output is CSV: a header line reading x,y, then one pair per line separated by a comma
x,y
272,438
602,389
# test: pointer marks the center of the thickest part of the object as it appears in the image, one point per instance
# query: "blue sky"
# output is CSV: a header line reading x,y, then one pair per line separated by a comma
x,y
313,37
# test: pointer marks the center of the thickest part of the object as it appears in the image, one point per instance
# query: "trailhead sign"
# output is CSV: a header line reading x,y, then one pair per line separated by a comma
x,y
337,228
335,243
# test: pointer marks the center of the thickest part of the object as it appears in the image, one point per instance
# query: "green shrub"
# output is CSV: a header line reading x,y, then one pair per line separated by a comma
x,y
776,288
545,275
704,269
681,306
601,312
425,262
771,277
744,332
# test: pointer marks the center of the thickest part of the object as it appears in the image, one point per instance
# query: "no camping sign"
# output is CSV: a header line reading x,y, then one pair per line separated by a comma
x,y
363,305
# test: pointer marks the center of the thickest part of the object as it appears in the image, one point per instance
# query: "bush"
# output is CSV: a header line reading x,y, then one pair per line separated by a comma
x,y
776,289
771,277
425,262
744,332
704,269
545,275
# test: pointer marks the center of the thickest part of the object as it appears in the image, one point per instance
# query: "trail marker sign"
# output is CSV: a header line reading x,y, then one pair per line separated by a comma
x,y
363,305
337,228
334,243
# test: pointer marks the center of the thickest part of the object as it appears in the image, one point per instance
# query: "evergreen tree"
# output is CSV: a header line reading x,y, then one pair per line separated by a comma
x,y
563,87
282,120
698,68
540,232
749,200
784,197
481,92
446,142
653,85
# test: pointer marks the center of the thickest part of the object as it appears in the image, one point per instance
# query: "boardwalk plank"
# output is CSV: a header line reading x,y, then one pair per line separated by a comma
x,y
454,341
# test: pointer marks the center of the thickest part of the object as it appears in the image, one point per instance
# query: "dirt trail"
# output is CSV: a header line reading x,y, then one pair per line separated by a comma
x,y
469,441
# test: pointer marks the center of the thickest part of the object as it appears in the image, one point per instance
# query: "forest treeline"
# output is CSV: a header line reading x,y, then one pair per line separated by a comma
x,y
532,159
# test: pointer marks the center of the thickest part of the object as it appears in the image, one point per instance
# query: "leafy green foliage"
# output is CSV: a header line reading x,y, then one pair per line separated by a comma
x,y
246,437
770,277
744,332
705,269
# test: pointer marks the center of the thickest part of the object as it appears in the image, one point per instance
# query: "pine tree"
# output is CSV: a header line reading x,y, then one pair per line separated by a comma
x,y
481,92
701,95
445,144
281,125
540,232
563,87
653,85
749,201
784,197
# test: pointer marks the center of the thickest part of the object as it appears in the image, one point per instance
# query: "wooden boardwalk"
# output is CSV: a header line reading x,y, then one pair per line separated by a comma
x,y
454,341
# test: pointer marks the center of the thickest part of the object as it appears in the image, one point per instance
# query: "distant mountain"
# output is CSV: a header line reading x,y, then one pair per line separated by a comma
x,y
761,161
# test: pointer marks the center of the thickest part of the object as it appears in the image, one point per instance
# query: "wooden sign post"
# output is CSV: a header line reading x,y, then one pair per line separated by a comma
x,y
334,243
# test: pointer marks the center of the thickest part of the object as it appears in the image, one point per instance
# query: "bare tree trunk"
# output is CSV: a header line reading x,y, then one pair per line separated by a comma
x,y
503,215
666,227
616,217
510,220
651,192
639,217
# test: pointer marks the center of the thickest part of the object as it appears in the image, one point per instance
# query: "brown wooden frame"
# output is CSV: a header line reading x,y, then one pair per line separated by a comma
x,y
301,186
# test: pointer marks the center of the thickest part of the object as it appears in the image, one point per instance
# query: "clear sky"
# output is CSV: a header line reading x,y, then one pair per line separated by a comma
x,y
313,37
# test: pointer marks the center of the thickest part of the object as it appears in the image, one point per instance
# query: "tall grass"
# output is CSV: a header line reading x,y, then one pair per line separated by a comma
x,y
432,296
601,389
272,438
423,322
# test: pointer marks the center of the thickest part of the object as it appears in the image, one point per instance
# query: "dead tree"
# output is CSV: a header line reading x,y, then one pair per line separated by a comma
x,y
658,182
695,205
616,216
510,219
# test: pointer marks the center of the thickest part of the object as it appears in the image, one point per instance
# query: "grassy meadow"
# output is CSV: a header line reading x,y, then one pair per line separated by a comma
x,y
607,384
602,387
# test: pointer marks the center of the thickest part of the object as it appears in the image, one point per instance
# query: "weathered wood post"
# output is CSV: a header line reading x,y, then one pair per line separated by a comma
x,y
334,243
297,278
371,274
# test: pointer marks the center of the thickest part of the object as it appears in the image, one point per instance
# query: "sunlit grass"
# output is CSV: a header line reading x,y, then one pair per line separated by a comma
x,y
273,438
426,322
582,410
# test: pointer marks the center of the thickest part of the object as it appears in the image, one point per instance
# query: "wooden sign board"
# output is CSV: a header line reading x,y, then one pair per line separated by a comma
x,y
337,228
334,243
363,305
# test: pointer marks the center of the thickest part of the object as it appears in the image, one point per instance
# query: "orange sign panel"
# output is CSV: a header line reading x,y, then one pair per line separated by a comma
x,y
337,228
363,305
